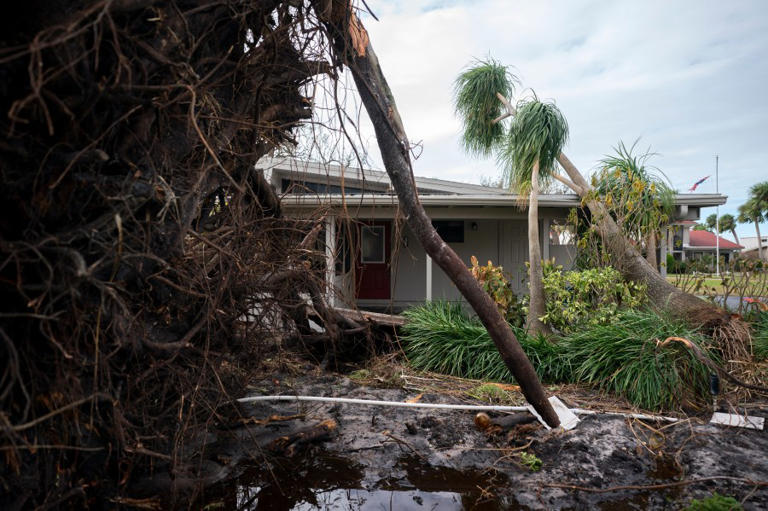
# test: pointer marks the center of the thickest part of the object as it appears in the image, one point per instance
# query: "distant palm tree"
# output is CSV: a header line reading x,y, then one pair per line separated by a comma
x,y
728,223
760,193
752,212
528,151
711,222
641,199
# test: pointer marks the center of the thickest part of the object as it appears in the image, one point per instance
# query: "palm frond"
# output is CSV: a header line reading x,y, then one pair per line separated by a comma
x,y
538,132
477,105
752,211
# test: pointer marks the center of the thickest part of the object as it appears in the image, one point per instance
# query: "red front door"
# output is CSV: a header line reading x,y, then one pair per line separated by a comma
x,y
373,258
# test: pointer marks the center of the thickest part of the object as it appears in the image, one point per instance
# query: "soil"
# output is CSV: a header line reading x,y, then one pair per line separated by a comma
x,y
397,458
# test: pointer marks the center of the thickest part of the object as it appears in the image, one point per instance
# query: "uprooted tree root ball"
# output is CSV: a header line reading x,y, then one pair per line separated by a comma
x,y
143,259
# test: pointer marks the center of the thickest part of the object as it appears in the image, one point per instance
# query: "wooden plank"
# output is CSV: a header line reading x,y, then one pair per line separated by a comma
x,y
377,318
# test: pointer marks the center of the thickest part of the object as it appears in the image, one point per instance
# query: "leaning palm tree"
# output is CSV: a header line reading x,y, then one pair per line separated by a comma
x,y
640,199
527,151
728,224
753,211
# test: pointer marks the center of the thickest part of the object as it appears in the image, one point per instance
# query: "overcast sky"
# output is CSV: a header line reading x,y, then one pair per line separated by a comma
x,y
688,77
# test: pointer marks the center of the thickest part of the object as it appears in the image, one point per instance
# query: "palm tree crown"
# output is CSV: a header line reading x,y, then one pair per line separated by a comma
x,y
642,199
712,222
477,105
751,212
727,223
537,134
759,192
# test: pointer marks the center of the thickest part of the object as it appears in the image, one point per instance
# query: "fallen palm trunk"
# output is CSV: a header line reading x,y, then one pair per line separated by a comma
x,y
353,46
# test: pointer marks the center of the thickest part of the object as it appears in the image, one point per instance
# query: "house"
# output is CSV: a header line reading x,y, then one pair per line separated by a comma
x,y
375,262
687,244
750,246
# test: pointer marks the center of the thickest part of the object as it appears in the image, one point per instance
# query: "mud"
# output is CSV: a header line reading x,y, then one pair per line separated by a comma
x,y
394,458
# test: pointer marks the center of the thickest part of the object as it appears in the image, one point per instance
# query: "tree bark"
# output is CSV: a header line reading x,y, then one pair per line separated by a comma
x,y
650,251
735,236
759,240
353,46
537,306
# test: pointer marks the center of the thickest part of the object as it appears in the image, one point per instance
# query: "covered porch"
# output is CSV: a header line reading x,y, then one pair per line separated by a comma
x,y
374,261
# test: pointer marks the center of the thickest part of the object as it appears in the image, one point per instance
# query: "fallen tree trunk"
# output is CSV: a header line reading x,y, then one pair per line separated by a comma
x,y
353,46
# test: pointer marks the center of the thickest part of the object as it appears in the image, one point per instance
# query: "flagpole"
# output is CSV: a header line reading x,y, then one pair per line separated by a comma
x,y
717,217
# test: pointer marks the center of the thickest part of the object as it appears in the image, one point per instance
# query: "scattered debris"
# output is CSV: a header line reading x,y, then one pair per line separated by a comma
x,y
739,421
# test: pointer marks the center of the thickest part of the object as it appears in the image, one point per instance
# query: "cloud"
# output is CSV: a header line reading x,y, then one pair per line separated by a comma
x,y
687,76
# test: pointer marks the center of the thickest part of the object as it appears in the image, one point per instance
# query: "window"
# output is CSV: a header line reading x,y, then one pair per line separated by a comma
x,y
452,231
372,244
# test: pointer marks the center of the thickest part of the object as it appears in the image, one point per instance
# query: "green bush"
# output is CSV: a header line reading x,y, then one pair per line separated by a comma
x,y
495,282
675,267
591,296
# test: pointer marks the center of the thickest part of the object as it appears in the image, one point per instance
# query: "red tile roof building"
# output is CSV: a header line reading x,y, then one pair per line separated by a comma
x,y
706,239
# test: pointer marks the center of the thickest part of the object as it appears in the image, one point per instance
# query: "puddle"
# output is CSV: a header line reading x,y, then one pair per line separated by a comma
x,y
328,481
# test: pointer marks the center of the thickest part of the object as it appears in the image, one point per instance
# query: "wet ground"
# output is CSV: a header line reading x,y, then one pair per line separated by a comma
x,y
395,458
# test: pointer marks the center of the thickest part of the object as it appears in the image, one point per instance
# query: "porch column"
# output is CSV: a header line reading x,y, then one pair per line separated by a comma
x,y
330,260
429,279
663,252
545,239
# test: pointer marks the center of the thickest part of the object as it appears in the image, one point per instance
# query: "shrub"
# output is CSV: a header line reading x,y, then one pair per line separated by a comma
x,y
623,357
495,281
591,296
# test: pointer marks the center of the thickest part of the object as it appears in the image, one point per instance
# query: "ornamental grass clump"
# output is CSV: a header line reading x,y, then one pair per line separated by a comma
x,y
624,357
442,337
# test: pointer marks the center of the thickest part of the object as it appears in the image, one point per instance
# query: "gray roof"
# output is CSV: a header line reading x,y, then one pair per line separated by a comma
x,y
432,191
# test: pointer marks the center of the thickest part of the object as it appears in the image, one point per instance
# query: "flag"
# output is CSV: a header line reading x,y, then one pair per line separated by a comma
x,y
697,183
